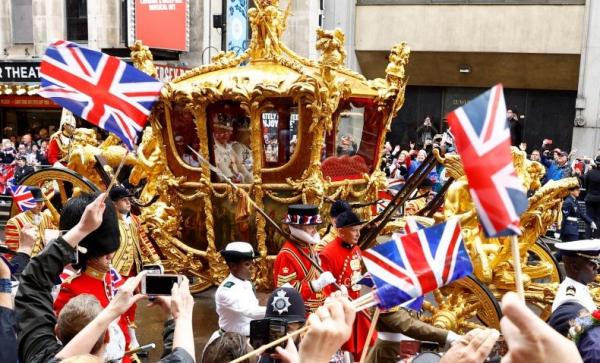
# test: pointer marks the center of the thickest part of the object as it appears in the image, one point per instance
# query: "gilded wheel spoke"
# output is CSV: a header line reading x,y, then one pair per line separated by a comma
x,y
62,191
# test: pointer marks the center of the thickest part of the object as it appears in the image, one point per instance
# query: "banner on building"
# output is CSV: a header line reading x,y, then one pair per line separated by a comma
x,y
236,33
162,24
24,101
167,72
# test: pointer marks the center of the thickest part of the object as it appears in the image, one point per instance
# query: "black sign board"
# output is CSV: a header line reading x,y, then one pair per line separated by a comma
x,y
19,72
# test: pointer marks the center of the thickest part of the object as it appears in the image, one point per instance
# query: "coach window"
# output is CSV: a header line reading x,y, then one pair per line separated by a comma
x,y
280,132
351,147
77,21
185,135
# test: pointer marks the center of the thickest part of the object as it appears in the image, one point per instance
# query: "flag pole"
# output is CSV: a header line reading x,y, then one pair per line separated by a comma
x,y
113,180
363,355
517,266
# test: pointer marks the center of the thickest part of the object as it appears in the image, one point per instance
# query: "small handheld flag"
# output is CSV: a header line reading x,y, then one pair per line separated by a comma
x,y
410,266
7,177
99,88
22,196
482,138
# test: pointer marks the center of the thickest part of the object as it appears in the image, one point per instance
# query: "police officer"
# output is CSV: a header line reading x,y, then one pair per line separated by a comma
x,y
569,229
235,299
573,299
285,303
582,262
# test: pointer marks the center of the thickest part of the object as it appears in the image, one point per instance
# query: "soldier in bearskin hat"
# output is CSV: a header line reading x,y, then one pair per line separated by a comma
x,y
291,267
95,275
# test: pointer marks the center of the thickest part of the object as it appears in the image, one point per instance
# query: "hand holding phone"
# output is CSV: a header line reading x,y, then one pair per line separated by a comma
x,y
159,284
264,331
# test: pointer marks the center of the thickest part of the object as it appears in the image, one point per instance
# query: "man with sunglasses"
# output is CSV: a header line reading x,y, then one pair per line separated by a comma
x,y
582,263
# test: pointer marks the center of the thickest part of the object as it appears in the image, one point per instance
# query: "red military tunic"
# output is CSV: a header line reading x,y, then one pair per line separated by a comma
x,y
343,260
58,148
293,268
98,284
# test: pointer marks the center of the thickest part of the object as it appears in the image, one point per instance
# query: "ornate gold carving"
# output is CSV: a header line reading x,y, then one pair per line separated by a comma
x,y
142,58
271,71
492,259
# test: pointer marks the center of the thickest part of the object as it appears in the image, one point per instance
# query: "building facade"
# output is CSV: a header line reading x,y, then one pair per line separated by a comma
x,y
28,26
545,53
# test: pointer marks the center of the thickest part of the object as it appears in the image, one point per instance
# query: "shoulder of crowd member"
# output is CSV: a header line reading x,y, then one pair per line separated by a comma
x,y
179,355
20,260
8,322
589,345
168,334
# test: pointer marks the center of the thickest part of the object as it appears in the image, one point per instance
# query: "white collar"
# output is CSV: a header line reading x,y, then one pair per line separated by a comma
x,y
576,284
235,279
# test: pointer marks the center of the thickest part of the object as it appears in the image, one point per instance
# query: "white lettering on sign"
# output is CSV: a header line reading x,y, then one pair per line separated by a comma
x,y
270,119
160,5
19,72
167,73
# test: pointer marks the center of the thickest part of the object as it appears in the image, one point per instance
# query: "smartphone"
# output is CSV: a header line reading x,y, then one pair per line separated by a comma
x,y
159,285
429,347
264,331
154,269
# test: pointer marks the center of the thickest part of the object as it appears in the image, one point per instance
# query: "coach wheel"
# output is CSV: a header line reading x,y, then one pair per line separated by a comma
x,y
58,186
461,306
538,255
544,270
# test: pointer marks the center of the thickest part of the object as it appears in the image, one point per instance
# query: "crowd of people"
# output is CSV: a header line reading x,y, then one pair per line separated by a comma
x,y
68,292
87,316
399,164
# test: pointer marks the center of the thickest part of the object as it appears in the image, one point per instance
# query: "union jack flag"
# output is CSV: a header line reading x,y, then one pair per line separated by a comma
x,y
22,196
99,88
7,177
482,138
385,196
412,265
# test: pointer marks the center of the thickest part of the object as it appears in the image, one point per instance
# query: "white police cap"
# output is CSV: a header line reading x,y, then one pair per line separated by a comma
x,y
237,251
586,248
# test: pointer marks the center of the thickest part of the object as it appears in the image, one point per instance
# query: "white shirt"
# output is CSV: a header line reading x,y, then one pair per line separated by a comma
x,y
571,290
237,305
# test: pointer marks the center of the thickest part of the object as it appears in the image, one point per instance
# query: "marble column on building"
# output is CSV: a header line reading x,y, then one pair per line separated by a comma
x,y
300,34
5,27
586,138
104,24
49,23
198,27
341,14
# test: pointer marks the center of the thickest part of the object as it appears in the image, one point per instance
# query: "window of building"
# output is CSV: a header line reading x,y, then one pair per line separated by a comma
x,y
124,29
77,22
22,22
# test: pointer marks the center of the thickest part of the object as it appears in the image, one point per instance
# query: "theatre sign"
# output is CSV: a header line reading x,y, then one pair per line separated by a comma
x,y
19,72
